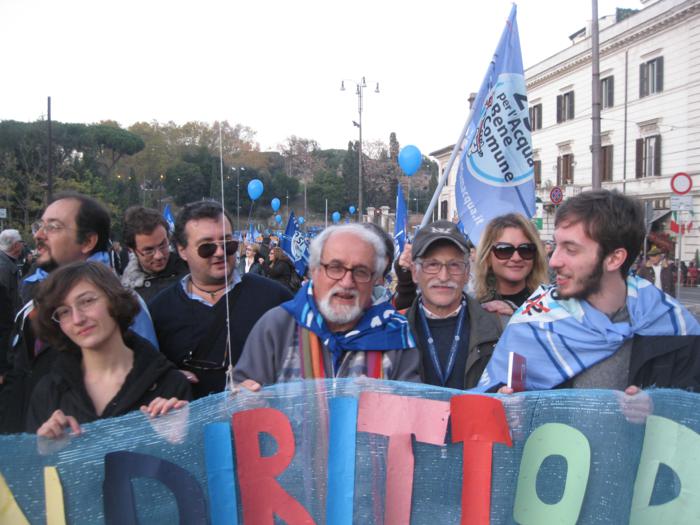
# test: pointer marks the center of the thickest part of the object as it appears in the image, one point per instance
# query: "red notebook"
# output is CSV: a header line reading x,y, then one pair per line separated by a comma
x,y
517,371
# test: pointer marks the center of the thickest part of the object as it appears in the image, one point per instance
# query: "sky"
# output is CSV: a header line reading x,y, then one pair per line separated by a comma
x,y
275,66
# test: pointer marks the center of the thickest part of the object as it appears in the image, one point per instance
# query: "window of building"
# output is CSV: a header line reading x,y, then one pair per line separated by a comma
x,y
648,157
537,167
536,117
651,77
606,161
607,92
443,210
565,169
565,107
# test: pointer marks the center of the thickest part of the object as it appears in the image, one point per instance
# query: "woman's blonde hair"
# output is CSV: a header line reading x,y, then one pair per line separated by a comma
x,y
485,285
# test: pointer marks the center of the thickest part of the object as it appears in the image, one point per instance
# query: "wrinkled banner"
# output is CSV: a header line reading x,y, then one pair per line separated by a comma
x,y
575,456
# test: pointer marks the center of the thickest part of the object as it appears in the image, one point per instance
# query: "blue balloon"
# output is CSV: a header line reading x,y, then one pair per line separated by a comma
x,y
335,216
410,159
275,204
300,220
255,189
352,210
278,219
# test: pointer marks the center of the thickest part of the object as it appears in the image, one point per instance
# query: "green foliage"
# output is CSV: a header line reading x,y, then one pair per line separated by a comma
x,y
326,186
186,183
350,173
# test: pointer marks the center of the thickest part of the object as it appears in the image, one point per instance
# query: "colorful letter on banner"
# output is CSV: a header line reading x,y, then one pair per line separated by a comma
x,y
399,417
9,510
496,174
478,422
218,457
261,495
341,460
55,508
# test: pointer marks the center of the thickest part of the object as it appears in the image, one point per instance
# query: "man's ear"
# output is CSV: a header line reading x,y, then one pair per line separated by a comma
x,y
89,243
181,251
615,259
414,272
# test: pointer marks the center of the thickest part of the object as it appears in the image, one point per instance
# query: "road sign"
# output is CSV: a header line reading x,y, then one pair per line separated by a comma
x,y
3,213
681,203
681,183
556,195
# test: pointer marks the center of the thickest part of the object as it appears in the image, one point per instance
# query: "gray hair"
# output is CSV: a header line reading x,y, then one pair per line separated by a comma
x,y
8,238
365,235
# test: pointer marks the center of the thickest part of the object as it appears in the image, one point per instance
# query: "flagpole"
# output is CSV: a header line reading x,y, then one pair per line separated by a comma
x,y
446,172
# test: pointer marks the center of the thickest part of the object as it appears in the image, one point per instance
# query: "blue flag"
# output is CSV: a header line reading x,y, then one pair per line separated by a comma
x,y
253,233
496,174
401,224
295,244
168,216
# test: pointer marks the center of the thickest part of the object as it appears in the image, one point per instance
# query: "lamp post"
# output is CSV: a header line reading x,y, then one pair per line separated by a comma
x,y
238,196
359,88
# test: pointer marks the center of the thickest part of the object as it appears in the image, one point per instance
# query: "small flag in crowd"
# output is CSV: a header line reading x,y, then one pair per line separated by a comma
x,y
401,224
168,216
496,174
295,244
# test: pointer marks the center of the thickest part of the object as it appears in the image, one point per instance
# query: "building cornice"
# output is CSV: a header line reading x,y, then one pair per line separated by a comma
x,y
661,22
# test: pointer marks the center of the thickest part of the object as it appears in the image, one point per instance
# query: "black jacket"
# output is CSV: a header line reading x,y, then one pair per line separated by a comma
x,y
281,271
63,388
665,361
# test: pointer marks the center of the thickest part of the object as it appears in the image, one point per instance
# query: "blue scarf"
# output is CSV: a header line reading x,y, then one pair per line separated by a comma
x,y
40,274
381,328
562,338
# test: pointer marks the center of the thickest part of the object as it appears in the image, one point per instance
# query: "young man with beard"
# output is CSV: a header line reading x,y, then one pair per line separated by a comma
x,y
331,328
74,227
190,316
152,266
598,327
454,334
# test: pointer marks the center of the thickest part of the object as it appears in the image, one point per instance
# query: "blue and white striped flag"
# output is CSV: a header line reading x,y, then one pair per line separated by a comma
x,y
401,224
295,244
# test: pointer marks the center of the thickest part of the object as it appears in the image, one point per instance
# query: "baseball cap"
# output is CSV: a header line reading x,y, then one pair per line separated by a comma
x,y
438,231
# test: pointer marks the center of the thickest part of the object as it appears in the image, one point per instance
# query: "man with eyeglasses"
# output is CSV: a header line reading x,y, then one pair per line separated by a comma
x,y
73,227
152,265
331,328
454,334
190,316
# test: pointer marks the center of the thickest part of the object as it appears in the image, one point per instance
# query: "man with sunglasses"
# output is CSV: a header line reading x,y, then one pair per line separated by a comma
x,y
599,327
190,316
152,265
332,328
454,334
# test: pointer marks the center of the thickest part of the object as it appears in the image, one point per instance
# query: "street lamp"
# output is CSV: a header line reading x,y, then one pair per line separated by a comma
x,y
359,88
238,196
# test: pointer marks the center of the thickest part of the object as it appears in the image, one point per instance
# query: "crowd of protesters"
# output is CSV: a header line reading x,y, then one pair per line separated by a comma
x,y
94,330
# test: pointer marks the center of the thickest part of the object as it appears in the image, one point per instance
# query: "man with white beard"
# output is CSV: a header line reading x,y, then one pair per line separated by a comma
x,y
331,328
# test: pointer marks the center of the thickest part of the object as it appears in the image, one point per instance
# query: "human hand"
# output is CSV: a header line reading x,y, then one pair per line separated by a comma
x,y
190,376
505,390
405,258
173,426
635,404
161,406
250,384
55,426
498,307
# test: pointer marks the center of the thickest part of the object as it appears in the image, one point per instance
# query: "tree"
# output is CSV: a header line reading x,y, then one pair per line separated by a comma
x,y
326,185
185,183
350,173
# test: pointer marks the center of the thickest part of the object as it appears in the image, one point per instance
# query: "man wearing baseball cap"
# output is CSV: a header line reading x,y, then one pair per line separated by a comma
x,y
454,335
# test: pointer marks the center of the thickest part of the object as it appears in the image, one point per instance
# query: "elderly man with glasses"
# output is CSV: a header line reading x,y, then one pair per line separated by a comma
x,y
152,265
455,335
332,328
190,316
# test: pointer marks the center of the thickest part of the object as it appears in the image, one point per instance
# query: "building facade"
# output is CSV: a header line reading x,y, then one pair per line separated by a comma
x,y
650,116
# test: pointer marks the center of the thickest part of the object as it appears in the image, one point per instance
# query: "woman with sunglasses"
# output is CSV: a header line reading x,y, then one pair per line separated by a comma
x,y
103,369
510,263
249,263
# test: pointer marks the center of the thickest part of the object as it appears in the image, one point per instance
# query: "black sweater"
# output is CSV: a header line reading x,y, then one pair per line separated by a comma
x,y
152,376
181,323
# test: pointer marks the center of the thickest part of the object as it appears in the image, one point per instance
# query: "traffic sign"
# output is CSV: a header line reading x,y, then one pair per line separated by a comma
x,y
3,213
556,195
681,183
681,203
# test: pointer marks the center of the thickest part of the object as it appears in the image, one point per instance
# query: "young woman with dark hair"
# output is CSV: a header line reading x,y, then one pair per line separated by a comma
x,y
103,369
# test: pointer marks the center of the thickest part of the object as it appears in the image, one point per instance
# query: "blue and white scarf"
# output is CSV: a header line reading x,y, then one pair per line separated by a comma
x,y
561,338
40,274
381,328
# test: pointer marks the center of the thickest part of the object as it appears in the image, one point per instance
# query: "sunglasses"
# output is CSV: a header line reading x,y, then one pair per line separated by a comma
x,y
208,249
505,250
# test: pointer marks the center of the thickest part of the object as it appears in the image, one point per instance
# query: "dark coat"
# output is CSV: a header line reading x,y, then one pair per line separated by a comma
x,y
255,268
63,388
484,331
9,304
281,271
666,361
667,284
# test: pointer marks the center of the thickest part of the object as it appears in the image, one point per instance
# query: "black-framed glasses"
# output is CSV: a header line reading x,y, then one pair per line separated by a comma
x,y
433,267
82,304
505,250
360,274
208,249
149,252
49,227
